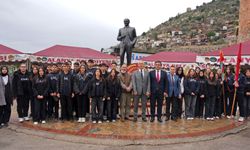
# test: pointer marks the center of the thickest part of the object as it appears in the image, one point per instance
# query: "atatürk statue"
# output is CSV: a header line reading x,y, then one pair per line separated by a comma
x,y
127,36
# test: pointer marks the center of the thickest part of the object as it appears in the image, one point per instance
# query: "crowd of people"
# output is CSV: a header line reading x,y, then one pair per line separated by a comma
x,y
104,93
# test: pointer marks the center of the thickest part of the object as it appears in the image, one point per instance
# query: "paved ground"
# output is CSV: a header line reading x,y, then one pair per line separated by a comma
x,y
11,140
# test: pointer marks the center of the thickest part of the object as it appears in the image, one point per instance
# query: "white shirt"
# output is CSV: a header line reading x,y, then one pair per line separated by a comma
x,y
5,79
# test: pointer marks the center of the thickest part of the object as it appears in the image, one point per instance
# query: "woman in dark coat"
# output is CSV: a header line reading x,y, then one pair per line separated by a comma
x,y
40,88
5,110
80,88
97,95
113,95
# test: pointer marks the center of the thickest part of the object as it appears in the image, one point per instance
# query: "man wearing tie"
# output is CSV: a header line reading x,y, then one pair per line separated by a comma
x,y
173,94
141,89
158,88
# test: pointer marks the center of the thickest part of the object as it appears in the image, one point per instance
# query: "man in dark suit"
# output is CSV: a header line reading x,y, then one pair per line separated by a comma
x,y
158,88
173,94
127,36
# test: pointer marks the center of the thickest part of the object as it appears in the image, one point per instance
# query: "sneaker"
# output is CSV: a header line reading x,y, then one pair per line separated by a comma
x,y
208,119
43,122
188,118
217,117
79,120
107,121
26,118
212,119
113,120
191,118
21,119
35,123
99,122
94,122
83,120
228,117
241,119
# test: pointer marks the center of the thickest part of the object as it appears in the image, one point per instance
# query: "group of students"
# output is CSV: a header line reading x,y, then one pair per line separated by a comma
x,y
103,91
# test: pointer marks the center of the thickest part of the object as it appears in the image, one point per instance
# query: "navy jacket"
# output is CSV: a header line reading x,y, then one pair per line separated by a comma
x,y
22,85
247,85
81,83
53,79
161,86
191,85
66,84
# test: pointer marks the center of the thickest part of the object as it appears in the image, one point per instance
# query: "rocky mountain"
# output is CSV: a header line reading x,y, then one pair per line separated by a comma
x,y
208,27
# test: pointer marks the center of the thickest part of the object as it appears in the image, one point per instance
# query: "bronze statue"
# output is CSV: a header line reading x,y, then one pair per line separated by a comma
x,y
127,36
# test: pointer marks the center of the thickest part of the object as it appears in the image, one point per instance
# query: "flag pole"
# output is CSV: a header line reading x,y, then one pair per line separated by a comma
x,y
235,91
223,77
224,100
236,76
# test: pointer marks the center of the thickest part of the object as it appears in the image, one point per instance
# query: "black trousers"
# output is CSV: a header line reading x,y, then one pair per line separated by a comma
x,y
81,103
32,106
75,106
248,105
229,99
156,97
172,101
87,106
210,106
40,110
112,108
53,107
199,107
180,109
5,112
97,104
23,105
242,102
218,107
66,107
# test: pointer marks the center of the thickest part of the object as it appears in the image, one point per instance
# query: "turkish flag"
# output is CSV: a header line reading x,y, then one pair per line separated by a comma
x,y
238,64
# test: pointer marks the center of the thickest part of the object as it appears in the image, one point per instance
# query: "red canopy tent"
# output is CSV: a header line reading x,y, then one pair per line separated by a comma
x,y
61,53
8,54
230,54
172,58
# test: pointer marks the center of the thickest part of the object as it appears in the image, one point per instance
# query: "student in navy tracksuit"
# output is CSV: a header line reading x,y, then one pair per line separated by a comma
x,y
22,90
40,88
247,92
53,101
66,92
113,94
174,94
80,88
75,107
240,85
33,74
200,102
158,88
191,88
229,90
212,92
97,95
219,101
